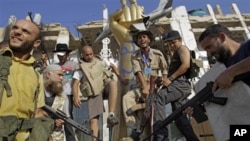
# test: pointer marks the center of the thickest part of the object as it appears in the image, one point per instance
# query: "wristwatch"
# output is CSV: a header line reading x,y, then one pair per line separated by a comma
x,y
171,78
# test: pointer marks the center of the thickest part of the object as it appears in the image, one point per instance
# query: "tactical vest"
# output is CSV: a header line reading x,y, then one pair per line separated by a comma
x,y
40,128
93,81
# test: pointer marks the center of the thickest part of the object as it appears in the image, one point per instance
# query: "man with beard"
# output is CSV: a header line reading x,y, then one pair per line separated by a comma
x,y
54,97
216,40
68,66
21,88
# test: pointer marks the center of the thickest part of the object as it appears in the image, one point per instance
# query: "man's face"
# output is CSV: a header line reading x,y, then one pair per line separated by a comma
x,y
88,54
54,82
44,57
56,76
62,58
143,41
215,48
23,36
174,44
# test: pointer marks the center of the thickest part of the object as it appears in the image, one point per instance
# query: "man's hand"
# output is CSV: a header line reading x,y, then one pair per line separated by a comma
x,y
59,122
77,102
114,68
166,82
145,91
223,81
188,111
40,113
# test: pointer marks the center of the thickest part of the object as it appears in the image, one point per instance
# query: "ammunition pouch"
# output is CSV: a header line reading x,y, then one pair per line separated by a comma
x,y
108,75
40,128
86,90
8,128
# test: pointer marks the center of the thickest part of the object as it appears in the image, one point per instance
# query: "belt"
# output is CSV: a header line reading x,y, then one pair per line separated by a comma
x,y
24,124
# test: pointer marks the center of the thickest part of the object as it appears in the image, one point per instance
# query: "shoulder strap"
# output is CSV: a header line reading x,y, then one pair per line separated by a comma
x,y
6,62
82,66
36,92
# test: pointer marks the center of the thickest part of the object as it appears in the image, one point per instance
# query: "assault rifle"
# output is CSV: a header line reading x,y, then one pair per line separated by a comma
x,y
204,95
61,115
148,111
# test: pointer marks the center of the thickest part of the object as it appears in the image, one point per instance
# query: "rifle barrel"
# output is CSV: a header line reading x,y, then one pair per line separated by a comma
x,y
61,115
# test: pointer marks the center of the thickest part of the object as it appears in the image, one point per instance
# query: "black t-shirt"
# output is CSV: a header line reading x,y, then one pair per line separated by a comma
x,y
242,53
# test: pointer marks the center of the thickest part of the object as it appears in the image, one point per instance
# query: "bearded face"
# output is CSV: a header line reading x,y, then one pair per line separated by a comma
x,y
223,54
23,47
55,87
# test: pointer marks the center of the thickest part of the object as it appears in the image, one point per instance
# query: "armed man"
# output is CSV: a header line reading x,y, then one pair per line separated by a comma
x,y
218,42
21,87
54,97
146,62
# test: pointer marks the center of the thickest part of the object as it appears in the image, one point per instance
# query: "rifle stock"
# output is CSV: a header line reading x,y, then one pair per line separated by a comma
x,y
61,115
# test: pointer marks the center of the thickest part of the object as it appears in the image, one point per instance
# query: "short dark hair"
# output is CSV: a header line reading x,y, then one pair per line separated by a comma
x,y
213,31
39,35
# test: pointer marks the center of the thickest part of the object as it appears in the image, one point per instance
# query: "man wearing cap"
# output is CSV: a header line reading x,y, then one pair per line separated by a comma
x,y
54,97
146,62
62,51
177,88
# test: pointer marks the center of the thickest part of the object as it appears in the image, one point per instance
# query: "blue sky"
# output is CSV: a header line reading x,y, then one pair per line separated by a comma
x,y
71,13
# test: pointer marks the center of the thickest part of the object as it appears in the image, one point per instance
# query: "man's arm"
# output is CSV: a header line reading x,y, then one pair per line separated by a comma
x,y
40,98
145,88
139,74
117,73
40,113
225,79
184,53
164,69
75,89
240,67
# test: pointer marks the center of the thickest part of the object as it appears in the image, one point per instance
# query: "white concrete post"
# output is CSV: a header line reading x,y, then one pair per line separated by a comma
x,y
105,53
243,24
211,12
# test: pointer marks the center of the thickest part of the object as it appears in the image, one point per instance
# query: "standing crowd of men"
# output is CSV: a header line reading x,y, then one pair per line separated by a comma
x,y
24,91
